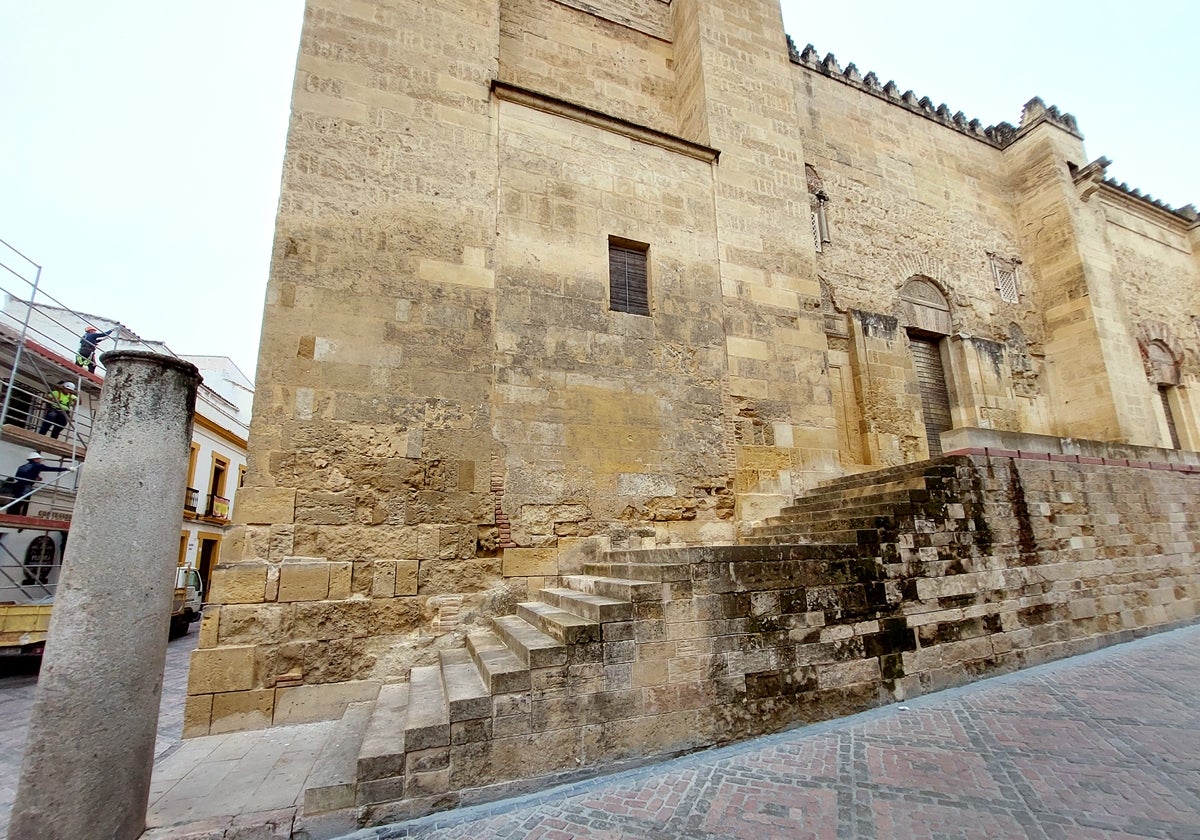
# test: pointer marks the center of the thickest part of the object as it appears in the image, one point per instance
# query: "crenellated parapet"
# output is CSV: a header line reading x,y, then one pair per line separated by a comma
x,y
1089,179
1001,135
1188,212
1036,111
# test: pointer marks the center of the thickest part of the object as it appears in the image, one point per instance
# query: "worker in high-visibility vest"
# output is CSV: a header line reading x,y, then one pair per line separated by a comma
x,y
62,400
86,357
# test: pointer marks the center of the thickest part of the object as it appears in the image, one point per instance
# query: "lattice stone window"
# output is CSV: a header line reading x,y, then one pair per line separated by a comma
x,y
628,277
1007,276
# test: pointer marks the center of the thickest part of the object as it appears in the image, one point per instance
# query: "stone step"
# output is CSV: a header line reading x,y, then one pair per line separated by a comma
x,y
335,775
884,504
622,589
597,608
427,724
533,647
940,467
382,753
839,501
818,529
466,695
568,628
895,485
502,672
618,565
862,537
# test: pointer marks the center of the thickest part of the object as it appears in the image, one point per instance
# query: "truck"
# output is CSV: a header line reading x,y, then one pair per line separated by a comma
x,y
188,601
24,626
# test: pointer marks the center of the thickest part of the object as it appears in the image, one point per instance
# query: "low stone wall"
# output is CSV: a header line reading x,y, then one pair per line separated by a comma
x,y
1008,562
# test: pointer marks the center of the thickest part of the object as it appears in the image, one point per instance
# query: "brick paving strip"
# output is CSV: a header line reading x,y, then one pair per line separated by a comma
x,y
1105,745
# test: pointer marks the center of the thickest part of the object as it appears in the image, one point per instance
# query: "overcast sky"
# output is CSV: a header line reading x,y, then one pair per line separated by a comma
x,y
142,141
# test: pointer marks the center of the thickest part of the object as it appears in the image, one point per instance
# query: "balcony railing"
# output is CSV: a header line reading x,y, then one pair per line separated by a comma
x,y
191,499
218,507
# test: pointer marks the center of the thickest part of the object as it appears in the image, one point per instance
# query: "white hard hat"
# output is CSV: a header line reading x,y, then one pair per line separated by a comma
x,y
33,455
70,386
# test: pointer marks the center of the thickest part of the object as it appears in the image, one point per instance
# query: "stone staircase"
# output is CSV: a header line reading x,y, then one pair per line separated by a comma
x,y
398,747
543,694
870,510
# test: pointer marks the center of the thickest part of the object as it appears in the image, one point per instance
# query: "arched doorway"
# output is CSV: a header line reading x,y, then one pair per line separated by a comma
x,y
1163,368
925,313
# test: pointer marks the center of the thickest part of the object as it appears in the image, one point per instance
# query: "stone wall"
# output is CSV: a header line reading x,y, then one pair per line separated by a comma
x,y
376,372
908,197
911,579
778,403
610,424
448,413
991,562
937,204
551,47
1160,273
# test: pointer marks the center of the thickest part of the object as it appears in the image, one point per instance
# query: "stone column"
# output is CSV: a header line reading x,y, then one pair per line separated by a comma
x,y
87,766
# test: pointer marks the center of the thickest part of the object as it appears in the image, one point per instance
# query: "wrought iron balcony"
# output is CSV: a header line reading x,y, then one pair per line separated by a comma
x,y
191,499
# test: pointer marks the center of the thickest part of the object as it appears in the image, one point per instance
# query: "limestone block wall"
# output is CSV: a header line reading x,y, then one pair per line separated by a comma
x,y
1091,351
369,475
885,390
606,417
448,414
984,564
996,564
980,379
904,196
779,401
907,196
1157,263
553,47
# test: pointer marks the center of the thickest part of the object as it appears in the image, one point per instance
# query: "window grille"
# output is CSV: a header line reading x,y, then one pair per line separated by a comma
x,y
1008,281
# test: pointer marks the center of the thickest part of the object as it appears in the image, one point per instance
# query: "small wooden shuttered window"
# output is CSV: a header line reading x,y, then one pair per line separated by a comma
x,y
628,285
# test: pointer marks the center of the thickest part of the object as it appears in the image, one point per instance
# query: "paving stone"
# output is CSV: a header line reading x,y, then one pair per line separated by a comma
x,y
331,786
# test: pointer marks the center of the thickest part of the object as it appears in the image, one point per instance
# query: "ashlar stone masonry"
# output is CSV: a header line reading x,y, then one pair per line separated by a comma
x,y
460,433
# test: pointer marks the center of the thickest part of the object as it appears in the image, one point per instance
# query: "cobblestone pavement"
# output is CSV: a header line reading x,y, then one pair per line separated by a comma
x,y
18,679
1100,746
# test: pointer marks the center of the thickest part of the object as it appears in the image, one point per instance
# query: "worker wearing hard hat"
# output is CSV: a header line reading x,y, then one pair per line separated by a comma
x,y
86,357
61,401
27,474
